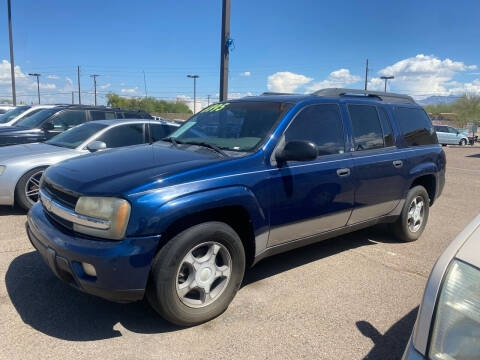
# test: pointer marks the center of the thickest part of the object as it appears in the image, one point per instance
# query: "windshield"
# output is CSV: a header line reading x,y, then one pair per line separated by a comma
x,y
77,135
235,126
36,119
11,114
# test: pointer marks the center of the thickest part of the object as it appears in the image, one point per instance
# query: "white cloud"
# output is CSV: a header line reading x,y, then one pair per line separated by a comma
x,y
338,78
246,73
129,91
106,86
285,81
187,100
425,75
53,77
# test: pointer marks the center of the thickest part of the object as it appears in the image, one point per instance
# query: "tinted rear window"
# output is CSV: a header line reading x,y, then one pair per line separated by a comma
x,y
416,126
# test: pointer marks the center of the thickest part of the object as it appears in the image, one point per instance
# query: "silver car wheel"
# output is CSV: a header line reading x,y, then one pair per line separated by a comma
x,y
32,187
416,213
203,274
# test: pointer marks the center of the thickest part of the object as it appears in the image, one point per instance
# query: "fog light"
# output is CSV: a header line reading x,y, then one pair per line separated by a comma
x,y
89,269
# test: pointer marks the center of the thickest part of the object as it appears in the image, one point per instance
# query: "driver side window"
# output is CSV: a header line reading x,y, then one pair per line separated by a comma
x,y
68,119
320,124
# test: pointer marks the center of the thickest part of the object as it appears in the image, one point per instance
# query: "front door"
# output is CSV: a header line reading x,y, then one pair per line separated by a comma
x,y
66,120
312,197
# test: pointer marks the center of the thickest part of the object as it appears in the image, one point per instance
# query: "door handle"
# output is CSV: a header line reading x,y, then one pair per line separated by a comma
x,y
398,163
343,172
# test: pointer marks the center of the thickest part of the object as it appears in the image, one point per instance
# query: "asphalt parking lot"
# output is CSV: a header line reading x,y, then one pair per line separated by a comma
x,y
351,297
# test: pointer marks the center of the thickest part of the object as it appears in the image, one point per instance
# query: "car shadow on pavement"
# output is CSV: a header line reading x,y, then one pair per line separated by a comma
x,y
304,255
474,155
56,309
10,210
390,345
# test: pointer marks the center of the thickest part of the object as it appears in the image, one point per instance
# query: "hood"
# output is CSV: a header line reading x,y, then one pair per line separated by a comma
x,y
14,153
116,171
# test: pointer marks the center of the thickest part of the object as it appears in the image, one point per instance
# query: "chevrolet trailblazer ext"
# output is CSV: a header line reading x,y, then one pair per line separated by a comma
x,y
179,220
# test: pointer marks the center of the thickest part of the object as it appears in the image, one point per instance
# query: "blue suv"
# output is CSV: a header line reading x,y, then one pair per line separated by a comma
x,y
179,220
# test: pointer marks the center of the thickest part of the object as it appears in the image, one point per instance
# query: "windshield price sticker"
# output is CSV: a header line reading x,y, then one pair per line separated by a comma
x,y
215,107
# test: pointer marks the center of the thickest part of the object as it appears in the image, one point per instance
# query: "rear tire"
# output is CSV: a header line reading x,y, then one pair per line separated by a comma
x,y
27,189
196,275
414,216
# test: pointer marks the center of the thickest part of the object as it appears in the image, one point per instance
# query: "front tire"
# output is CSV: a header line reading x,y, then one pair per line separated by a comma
x,y
196,275
413,219
463,142
28,187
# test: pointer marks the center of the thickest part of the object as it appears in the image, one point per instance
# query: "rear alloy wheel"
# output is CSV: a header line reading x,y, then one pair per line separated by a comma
x,y
197,273
413,219
28,188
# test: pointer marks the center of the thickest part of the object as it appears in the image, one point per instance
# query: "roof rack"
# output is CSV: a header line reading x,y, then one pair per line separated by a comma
x,y
276,93
385,96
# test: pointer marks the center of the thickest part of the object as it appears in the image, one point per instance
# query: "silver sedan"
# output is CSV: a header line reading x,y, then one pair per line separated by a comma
x,y
448,322
22,166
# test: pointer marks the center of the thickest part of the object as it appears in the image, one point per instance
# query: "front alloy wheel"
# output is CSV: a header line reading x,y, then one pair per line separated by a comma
x,y
197,273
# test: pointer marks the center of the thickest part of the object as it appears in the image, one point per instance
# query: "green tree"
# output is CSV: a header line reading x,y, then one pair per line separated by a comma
x,y
148,104
467,108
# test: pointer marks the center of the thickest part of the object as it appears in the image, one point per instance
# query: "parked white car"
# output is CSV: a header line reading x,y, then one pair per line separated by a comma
x,y
448,322
14,115
448,135
5,108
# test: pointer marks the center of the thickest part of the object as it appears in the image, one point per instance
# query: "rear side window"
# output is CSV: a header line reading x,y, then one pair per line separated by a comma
x,y
386,127
123,135
320,124
416,126
367,131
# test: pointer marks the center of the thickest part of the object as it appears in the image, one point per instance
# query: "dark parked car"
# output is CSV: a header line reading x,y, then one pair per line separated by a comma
x,y
181,220
46,123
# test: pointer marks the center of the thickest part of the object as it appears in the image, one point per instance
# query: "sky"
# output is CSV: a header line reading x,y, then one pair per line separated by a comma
x,y
431,47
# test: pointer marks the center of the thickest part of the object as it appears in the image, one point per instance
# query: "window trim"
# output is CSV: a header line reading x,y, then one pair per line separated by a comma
x,y
281,140
354,149
389,120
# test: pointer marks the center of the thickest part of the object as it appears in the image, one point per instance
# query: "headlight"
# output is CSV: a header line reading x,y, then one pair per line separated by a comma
x,y
2,169
117,211
456,332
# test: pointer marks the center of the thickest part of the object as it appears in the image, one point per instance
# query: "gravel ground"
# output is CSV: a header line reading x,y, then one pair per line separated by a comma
x,y
351,297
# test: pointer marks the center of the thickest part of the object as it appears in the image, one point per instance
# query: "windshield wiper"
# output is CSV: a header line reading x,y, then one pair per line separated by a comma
x,y
207,145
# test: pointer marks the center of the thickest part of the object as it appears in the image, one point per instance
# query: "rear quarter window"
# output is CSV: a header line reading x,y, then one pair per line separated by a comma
x,y
416,127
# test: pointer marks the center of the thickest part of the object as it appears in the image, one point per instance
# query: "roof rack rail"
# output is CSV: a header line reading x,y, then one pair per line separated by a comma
x,y
268,93
385,96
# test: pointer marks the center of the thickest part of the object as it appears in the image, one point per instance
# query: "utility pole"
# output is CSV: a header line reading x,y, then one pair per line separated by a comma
x,y
38,84
386,78
73,101
94,76
12,62
208,101
366,76
78,79
194,77
145,84
224,50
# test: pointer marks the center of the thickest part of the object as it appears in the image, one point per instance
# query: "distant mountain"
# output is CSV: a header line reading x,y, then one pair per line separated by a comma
x,y
438,99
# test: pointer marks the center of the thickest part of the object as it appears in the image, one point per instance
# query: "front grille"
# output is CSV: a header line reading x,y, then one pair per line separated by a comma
x,y
61,196
58,220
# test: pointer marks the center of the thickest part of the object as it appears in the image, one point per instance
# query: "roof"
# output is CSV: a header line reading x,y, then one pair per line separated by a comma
x,y
133,121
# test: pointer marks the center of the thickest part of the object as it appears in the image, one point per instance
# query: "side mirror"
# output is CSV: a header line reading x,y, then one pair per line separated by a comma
x,y
48,126
458,132
96,146
297,150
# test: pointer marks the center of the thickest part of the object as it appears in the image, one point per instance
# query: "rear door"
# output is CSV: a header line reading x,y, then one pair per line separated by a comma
x,y
378,166
312,197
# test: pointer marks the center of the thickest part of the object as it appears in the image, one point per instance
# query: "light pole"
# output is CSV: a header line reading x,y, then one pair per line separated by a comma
x,y
386,78
194,77
94,76
224,50
12,62
38,84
